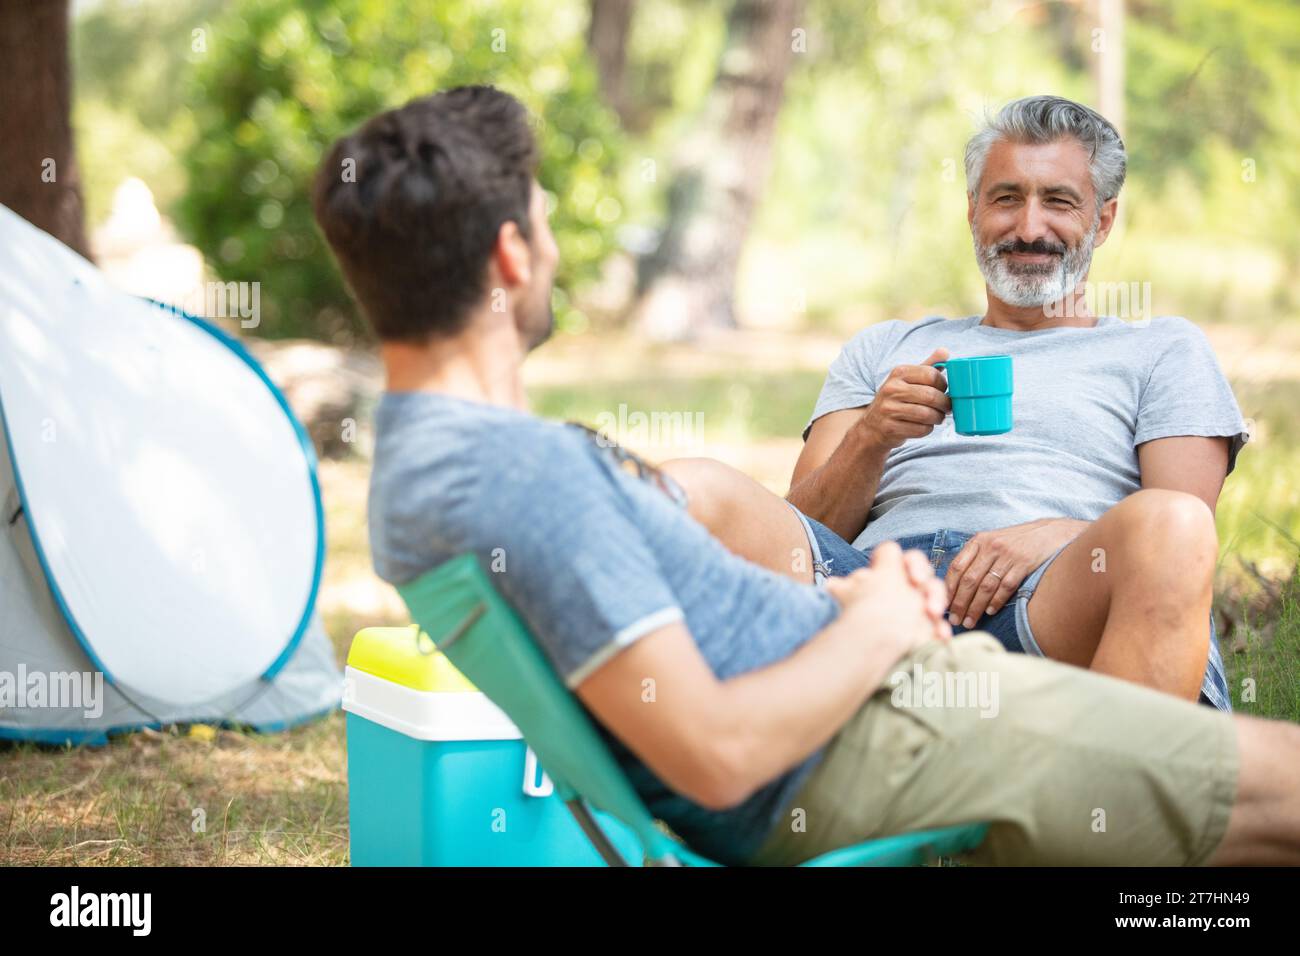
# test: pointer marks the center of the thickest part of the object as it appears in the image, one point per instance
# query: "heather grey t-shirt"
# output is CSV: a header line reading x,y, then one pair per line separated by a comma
x,y
1084,399
593,559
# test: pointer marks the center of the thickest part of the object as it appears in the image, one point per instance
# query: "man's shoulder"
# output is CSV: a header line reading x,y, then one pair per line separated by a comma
x,y
1159,326
467,482
1174,327
455,430
882,336
456,453
1169,335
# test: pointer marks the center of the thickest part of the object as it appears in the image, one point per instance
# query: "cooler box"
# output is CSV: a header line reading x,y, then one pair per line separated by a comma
x,y
439,776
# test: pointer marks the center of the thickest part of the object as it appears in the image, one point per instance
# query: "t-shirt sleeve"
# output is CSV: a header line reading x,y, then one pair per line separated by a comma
x,y
1188,394
850,380
569,557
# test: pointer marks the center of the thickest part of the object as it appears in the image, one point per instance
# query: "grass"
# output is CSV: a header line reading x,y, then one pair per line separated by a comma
x,y
738,406
1264,676
282,799
185,797
1259,510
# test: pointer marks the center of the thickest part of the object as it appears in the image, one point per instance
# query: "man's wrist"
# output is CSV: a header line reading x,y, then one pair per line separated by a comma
x,y
868,445
1074,525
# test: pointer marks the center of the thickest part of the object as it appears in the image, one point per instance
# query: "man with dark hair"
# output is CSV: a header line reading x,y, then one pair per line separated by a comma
x,y
737,697
412,204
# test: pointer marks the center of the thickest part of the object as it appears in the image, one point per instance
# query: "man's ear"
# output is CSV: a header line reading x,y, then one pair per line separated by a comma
x,y
1106,220
970,209
513,255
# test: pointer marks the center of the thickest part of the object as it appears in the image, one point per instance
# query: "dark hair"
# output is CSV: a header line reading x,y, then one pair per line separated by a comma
x,y
414,225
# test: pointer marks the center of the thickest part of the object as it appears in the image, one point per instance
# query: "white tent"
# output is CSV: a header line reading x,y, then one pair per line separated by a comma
x,y
162,535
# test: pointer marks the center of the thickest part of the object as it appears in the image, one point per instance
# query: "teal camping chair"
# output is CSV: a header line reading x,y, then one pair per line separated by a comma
x,y
456,605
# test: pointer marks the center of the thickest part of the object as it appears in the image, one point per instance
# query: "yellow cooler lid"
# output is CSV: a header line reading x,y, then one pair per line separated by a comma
x,y
406,656
397,679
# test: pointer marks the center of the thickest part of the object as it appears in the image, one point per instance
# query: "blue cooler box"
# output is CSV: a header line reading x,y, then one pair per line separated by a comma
x,y
439,776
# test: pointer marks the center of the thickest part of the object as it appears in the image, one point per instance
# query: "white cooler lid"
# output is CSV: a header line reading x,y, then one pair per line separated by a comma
x,y
425,714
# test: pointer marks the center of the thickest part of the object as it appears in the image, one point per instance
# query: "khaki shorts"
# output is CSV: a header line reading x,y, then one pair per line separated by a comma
x,y
1067,766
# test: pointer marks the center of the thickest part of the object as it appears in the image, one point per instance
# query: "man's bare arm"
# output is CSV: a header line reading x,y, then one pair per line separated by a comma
x,y
837,474
1195,465
715,742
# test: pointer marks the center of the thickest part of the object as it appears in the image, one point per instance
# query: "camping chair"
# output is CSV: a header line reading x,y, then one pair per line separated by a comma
x,y
456,605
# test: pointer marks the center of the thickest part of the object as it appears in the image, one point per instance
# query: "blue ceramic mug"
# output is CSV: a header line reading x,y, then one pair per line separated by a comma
x,y
980,389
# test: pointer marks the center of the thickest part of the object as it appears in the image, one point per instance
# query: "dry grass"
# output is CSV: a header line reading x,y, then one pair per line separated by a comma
x,y
202,797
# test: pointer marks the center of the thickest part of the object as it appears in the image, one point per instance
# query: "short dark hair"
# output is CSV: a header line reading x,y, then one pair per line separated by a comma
x,y
414,227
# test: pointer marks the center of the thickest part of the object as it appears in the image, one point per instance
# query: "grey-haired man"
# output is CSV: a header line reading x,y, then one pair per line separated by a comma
x,y
1086,534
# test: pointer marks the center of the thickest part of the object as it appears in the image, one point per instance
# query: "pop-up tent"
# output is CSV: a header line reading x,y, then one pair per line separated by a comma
x,y
162,535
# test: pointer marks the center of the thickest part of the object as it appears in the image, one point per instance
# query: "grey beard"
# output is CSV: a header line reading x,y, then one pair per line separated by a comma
x,y
1036,286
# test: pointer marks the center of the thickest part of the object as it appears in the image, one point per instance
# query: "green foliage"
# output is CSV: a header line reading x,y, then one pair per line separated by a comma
x,y
129,61
1230,65
103,131
1212,101
281,79
138,52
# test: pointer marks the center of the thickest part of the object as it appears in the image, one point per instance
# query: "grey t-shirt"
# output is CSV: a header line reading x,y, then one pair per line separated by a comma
x,y
594,559
1084,399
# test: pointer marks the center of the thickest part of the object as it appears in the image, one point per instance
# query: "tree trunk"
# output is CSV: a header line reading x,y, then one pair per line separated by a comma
x,y
1110,62
1110,83
688,283
607,40
38,167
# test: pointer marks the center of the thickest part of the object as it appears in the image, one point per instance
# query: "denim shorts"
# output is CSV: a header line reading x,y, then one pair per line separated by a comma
x,y
833,556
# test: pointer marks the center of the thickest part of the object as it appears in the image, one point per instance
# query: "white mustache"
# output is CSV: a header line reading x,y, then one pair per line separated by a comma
x,y
1003,250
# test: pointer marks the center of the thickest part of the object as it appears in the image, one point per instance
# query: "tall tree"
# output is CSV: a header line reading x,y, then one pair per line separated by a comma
x,y
607,32
688,283
38,167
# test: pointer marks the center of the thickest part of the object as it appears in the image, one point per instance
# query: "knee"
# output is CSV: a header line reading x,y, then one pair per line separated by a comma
x,y
1171,524
707,484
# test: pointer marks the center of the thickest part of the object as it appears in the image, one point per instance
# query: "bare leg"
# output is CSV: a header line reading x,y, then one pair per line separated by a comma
x,y
1130,596
747,518
1264,828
